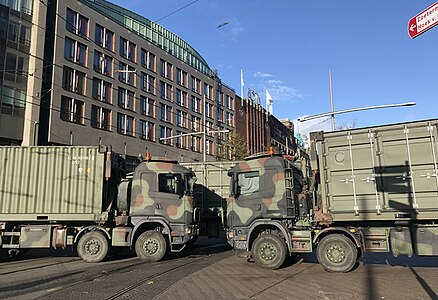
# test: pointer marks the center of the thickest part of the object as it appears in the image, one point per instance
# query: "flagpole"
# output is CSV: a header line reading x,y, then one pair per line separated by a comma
x,y
241,83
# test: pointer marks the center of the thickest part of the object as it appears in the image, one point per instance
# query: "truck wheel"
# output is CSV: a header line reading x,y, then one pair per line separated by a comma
x,y
150,246
336,253
269,251
93,247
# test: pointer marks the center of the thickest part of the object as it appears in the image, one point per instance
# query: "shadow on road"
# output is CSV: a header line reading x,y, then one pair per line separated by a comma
x,y
383,259
203,246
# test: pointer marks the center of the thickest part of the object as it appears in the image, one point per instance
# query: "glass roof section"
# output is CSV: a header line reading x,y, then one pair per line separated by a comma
x,y
152,32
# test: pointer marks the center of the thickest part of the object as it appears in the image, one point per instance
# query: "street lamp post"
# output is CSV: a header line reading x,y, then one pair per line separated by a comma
x,y
343,111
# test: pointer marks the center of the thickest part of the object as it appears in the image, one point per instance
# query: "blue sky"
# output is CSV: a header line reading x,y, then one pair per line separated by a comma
x,y
288,47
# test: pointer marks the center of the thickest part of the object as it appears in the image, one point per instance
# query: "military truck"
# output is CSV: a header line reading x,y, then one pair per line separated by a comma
x,y
369,189
57,197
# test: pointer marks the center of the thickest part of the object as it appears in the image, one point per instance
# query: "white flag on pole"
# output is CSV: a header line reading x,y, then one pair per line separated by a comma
x,y
269,102
241,77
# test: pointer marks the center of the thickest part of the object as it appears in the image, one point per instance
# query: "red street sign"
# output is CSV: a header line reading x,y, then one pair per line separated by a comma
x,y
423,21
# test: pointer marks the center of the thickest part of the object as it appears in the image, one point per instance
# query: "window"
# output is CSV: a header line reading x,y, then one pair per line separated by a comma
x,y
72,110
147,83
181,118
181,141
209,147
102,90
167,183
12,97
181,98
229,119
125,124
13,31
220,98
181,77
220,115
230,102
104,37
208,91
165,133
100,117
103,64
73,81
196,123
146,130
147,106
127,49
166,69
147,60
126,74
196,144
15,67
24,35
210,127
221,134
75,52
166,90
208,109
126,99
24,6
248,183
166,113
195,104
196,85
76,23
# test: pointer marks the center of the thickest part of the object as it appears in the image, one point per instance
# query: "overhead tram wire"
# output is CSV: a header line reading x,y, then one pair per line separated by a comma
x,y
110,53
58,109
156,91
175,11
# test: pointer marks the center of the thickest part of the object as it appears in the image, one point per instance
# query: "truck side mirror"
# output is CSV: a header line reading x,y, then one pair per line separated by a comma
x,y
180,187
236,188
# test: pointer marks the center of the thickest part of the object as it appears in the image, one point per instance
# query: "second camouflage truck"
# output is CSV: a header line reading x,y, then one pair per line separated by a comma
x,y
57,197
371,189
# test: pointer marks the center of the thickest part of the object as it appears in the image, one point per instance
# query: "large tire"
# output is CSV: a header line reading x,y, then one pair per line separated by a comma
x,y
337,253
93,247
150,246
269,251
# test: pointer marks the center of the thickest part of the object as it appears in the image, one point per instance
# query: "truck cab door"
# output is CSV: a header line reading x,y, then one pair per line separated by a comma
x,y
246,205
171,201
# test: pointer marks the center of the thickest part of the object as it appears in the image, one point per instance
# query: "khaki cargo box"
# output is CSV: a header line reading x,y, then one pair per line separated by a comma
x,y
51,183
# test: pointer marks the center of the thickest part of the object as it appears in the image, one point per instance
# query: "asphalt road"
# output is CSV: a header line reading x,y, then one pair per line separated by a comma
x,y
210,270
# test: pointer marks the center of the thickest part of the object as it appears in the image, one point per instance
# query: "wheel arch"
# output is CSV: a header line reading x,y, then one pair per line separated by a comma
x,y
86,229
353,234
262,225
150,224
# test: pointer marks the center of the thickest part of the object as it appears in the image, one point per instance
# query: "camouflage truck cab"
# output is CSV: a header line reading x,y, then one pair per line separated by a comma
x,y
161,201
266,199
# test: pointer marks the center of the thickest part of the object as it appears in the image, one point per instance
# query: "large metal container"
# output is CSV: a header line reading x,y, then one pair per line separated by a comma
x,y
379,173
52,183
211,190
213,183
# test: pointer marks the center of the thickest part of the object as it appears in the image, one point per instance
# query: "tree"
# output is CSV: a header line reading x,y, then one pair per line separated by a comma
x,y
239,146
342,126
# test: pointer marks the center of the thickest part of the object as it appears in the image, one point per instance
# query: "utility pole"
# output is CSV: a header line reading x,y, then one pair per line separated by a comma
x,y
332,107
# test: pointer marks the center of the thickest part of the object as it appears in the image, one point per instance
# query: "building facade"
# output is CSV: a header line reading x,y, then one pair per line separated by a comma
x,y
261,129
106,75
15,48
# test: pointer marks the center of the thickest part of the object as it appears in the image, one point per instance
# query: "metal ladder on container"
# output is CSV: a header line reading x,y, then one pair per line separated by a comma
x,y
289,185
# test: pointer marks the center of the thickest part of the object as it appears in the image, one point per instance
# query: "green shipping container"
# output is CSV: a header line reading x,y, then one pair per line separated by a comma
x,y
379,173
52,184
